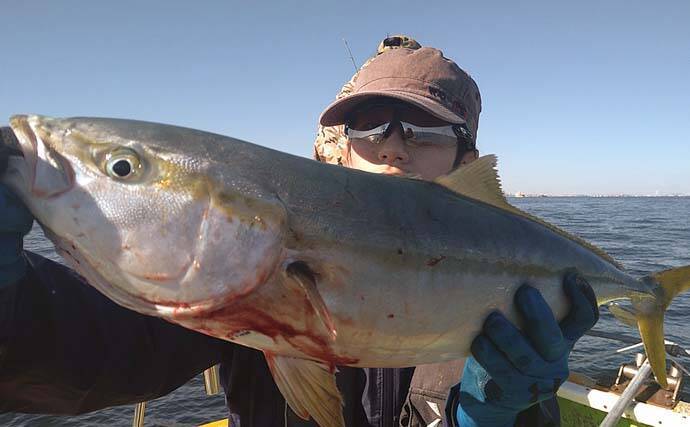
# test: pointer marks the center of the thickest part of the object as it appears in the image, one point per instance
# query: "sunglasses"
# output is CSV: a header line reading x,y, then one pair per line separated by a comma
x,y
377,122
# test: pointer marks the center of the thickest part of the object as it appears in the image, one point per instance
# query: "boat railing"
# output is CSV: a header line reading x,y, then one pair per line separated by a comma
x,y
633,379
638,375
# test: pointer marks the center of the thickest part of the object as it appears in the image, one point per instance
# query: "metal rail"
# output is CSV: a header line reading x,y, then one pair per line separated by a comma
x,y
139,412
211,384
212,380
672,348
642,375
628,395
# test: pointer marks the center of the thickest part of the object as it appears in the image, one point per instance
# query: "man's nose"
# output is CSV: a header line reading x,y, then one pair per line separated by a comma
x,y
393,149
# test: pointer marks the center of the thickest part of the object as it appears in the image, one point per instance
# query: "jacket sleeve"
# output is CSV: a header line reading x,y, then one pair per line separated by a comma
x,y
67,349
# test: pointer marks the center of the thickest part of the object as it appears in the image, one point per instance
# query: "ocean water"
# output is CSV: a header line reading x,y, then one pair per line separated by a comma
x,y
644,234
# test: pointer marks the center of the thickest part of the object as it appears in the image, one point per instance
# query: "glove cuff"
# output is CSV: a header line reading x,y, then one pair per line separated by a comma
x,y
494,418
472,413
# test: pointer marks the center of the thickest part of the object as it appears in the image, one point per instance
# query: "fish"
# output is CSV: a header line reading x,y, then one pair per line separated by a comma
x,y
315,265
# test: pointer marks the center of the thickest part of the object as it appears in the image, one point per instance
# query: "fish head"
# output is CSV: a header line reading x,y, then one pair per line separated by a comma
x,y
140,216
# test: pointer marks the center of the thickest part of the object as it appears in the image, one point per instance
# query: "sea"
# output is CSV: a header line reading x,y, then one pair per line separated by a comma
x,y
645,234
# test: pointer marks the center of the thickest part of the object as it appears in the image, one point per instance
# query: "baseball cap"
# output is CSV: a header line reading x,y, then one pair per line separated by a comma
x,y
422,77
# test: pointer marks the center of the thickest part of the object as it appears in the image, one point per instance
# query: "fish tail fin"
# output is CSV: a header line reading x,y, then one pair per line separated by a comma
x,y
674,281
651,328
650,321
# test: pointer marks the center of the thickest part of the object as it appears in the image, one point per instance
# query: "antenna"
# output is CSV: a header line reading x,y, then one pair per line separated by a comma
x,y
350,53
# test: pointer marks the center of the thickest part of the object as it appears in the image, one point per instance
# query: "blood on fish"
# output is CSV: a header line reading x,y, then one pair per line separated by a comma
x,y
157,277
238,318
433,261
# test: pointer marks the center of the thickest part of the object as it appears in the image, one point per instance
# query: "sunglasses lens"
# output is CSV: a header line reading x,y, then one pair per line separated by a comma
x,y
419,129
374,134
429,136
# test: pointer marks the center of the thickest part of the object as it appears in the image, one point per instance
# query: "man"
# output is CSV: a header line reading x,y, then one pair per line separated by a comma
x,y
65,348
375,125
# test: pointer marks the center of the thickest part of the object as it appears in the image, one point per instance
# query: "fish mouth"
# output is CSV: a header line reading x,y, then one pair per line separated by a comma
x,y
49,173
9,143
9,149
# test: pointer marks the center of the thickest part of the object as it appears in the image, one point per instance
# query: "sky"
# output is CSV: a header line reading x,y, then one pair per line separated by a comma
x,y
586,97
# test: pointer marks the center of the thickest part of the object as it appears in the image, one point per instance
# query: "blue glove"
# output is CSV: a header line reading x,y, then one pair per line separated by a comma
x,y
15,222
512,370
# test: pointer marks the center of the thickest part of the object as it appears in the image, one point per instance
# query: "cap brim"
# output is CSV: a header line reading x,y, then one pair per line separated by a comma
x,y
336,113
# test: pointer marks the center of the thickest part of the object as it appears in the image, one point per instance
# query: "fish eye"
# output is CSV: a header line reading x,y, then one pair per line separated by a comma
x,y
122,165
122,168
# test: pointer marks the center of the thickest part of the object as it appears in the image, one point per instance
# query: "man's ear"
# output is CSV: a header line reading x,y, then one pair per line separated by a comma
x,y
469,157
344,147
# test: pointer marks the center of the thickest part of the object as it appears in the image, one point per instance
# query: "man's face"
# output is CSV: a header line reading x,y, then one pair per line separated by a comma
x,y
401,152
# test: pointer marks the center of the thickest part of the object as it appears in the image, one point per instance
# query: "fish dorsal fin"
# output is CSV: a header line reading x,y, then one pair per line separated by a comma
x,y
309,388
479,181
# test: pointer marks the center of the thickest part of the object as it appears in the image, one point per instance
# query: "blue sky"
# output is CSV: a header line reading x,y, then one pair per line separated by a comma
x,y
578,97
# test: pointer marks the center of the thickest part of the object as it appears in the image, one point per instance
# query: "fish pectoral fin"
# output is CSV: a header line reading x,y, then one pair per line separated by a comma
x,y
300,273
625,315
309,388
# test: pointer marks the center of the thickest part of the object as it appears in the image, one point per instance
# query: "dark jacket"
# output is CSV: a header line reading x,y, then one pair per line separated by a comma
x,y
67,349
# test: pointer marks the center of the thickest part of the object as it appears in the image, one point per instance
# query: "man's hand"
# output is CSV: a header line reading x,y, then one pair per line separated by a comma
x,y
512,370
15,222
